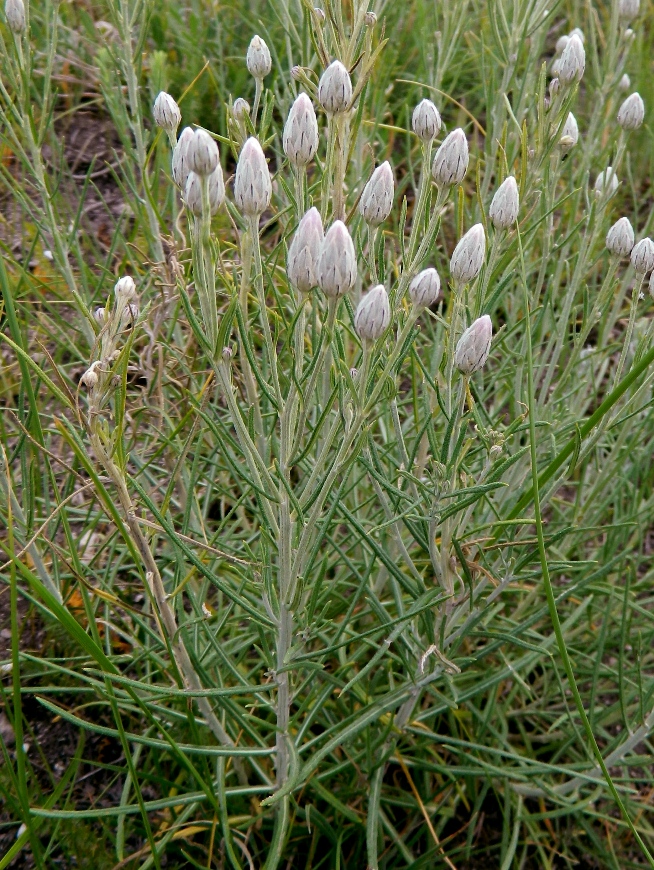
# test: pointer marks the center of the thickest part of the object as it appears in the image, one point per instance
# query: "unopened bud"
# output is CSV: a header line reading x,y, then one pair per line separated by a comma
x,y
651,285
258,60
215,191
241,109
573,61
319,15
100,315
504,208
125,287
227,353
130,313
166,113
202,153
335,89
297,73
628,9
377,197
555,86
300,139
606,183
620,238
561,43
180,167
468,256
337,263
89,378
370,19
15,14
569,134
425,288
642,256
625,83
451,160
577,31
252,186
373,314
632,112
303,254
426,121
629,35
473,347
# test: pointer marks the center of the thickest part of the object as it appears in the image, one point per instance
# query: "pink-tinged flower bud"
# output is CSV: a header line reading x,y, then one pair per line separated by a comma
x,y
625,83
573,61
451,160
628,9
606,183
337,263
370,19
258,60
300,139
377,197
241,109
130,313
504,208
620,238
15,14
642,256
319,15
100,315
303,254
125,287
473,347
166,113
373,314
569,134
252,185
426,121
425,288
468,256
215,190
335,89
180,165
632,112
202,153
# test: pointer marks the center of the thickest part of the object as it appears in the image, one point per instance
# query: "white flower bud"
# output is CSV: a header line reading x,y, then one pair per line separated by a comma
x,y
426,121
555,86
241,109
625,83
303,254
130,313
215,190
651,285
632,112
335,89
89,378
628,9
125,287
468,256
451,160
319,14
504,208
377,197
473,347
620,238
252,185
166,113
606,182
300,139
370,19
100,315
297,73
373,314
202,153
425,288
570,133
258,60
337,264
573,61
577,31
180,165
561,43
556,66
642,256
15,14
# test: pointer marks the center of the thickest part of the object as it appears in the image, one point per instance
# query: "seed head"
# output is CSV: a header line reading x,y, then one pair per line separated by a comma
x,y
473,347
425,288
300,139
215,189
252,186
302,261
620,238
373,314
632,112
426,121
241,109
451,160
573,61
166,113
335,89
258,60
468,256
180,165
504,208
625,83
15,14
377,197
628,9
337,263
570,133
202,155
642,256
606,183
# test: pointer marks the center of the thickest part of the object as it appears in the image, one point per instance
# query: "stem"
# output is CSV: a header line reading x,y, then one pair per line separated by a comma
x,y
258,90
635,297
263,310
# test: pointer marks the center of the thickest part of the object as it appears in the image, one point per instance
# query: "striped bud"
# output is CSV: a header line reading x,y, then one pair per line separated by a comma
x,y
335,89
166,113
180,165
573,61
125,287
300,139
15,14
606,183
241,109
302,261
202,153
377,197
426,121
642,256
373,314
252,185
257,59
451,160
215,191
504,208
425,288
468,256
569,134
337,264
632,112
473,347
620,238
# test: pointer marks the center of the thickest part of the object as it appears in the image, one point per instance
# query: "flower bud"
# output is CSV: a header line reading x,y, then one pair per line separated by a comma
x,y
642,256
561,43
377,197
215,190
468,256
625,83
651,285
505,205
166,113
629,35
89,378
258,60
606,182
451,160
297,72
335,89
241,109
100,315
370,19
570,133
252,186
573,61
632,112
555,86
373,314
15,14
620,238
425,288
202,153
300,139
337,264
125,287
628,9
473,347
577,31
319,15
303,254
426,121
130,313
180,165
